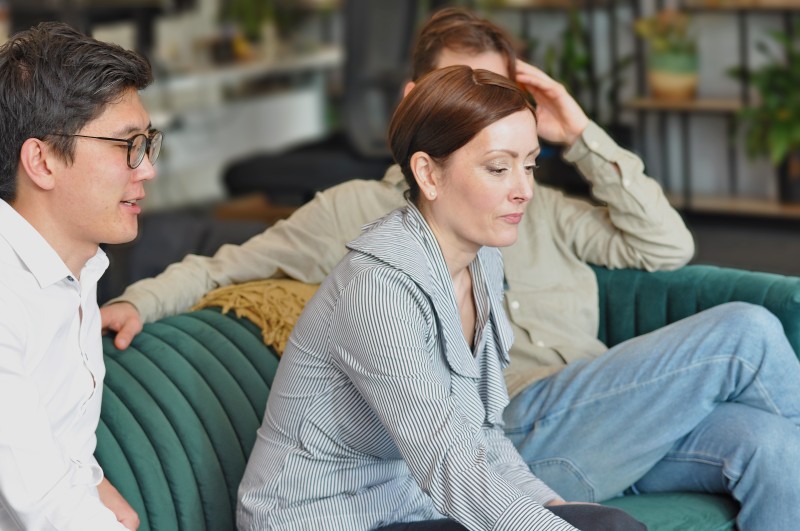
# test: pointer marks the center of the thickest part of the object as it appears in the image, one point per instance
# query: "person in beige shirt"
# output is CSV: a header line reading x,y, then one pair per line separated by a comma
x,y
590,422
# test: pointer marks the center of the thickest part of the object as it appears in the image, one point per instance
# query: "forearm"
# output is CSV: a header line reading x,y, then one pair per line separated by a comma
x,y
644,230
299,248
505,461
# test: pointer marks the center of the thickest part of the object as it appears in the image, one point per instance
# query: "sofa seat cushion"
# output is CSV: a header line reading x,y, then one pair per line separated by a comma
x,y
680,511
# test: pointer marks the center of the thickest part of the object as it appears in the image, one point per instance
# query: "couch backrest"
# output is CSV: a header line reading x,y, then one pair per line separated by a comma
x,y
634,302
181,408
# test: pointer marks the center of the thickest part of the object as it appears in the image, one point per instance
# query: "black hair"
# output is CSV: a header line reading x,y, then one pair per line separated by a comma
x,y
54,79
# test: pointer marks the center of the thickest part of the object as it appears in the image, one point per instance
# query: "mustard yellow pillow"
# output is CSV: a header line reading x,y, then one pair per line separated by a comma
x,y
273,304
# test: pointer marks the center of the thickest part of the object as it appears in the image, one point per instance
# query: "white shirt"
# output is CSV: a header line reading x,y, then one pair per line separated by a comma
x,y
51,378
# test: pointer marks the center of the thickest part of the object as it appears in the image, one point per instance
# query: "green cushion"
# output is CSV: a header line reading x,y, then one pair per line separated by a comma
x,y
680,511
634,302
180,411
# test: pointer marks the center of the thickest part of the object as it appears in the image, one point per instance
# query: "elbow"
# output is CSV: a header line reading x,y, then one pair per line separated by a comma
x,y
677,255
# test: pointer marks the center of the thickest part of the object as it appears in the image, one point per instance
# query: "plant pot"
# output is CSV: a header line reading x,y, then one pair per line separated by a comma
x,y
789,178
673,75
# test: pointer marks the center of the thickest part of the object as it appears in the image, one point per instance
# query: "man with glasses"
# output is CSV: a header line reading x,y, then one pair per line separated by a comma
x,y
77,147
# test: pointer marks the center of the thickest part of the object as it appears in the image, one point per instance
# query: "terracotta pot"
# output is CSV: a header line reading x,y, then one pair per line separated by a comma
x,y
673,76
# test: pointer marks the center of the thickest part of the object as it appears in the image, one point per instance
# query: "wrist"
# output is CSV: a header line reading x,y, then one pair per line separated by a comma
x,y
575,132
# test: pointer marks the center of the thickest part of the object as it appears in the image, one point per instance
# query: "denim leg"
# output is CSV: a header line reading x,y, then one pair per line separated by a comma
x,y
751,454
594,428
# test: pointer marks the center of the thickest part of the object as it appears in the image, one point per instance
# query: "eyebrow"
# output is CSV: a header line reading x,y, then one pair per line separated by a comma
x,y
132,129
514,153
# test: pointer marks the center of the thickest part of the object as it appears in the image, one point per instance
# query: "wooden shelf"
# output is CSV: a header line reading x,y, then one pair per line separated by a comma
x,y
743,5
737,206
552,4
699,105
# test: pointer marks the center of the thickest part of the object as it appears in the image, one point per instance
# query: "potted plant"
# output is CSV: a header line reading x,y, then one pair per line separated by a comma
x,y
772,121
673,60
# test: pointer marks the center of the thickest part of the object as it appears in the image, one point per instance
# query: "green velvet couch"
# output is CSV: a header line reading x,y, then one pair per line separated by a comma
x,y
183,403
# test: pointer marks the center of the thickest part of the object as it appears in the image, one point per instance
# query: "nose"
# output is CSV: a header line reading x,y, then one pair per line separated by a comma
x,y
523,188
146,171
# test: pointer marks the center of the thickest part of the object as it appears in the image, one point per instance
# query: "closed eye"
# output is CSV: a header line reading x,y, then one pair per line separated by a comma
x,y
496,170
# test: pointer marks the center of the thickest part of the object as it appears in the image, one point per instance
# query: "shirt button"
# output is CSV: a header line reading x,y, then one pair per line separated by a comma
x,y
539,343
594,144
514,305
626,182
69,277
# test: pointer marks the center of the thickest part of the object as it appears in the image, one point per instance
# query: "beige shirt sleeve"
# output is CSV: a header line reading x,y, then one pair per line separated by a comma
x,y
305,247
636,226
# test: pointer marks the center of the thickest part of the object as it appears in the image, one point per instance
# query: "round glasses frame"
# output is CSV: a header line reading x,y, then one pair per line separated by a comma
x,y
149,143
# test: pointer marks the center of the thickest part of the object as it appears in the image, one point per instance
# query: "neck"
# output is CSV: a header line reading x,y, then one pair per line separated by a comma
x,y
456,255
73,255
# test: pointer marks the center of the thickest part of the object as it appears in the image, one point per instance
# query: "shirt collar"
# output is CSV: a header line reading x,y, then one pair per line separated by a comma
x,y
38,256
394,176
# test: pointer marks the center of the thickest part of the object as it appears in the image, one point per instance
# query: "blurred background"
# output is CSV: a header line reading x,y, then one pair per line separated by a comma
x,y
265,102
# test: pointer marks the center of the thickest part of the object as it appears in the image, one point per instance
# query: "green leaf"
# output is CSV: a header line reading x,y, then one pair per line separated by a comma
x,y
779,142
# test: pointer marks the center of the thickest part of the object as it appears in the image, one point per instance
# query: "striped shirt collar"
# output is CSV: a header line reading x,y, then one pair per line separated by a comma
x,y
380,239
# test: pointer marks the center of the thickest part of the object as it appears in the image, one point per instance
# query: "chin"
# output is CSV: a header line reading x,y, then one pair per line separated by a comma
x,y
503,240
123,234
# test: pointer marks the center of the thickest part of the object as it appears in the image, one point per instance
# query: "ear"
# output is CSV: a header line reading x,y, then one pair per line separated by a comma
x,y
35,158
425,172
410,85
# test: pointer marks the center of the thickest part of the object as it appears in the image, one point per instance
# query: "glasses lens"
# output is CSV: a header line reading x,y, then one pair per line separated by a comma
x,y
137,150
155,145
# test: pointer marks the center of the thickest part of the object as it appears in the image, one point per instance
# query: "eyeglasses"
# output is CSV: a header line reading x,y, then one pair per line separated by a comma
x,y
138,145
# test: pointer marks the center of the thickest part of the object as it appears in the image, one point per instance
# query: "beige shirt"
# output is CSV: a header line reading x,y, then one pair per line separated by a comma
x,y
551,295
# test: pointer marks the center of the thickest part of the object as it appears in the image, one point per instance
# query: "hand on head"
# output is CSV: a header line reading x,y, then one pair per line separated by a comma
x,y
559,117
122,318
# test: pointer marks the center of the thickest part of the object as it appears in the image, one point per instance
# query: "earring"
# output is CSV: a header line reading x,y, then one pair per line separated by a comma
x,y
432,194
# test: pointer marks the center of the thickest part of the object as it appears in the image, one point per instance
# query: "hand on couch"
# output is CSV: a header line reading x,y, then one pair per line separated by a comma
x,y
122,318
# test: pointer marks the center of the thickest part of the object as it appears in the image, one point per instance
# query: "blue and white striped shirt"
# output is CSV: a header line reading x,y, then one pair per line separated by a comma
x,y
380,411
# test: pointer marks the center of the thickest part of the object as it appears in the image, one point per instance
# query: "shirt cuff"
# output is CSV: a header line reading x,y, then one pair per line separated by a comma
x,y
524,514
592,140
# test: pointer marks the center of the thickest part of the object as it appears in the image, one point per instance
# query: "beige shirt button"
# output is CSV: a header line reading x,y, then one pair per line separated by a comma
x,y
515,305
594,144
626,182
539,343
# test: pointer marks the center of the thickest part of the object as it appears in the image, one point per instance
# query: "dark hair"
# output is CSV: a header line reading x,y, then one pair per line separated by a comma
x,y
461,31
445,110
54,79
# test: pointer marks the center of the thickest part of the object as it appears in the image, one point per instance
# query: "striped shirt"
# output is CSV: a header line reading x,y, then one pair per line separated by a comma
x,y
381,412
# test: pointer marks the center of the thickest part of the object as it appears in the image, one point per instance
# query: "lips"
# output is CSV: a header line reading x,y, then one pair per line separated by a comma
x,y
132,204
513,218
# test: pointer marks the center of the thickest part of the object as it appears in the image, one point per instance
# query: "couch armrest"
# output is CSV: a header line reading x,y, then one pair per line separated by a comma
x,y
634,302
181,407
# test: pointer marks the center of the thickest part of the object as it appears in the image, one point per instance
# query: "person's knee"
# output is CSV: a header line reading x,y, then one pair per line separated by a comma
x,y
747,318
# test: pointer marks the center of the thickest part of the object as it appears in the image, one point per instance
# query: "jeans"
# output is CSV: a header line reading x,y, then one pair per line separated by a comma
x,y
709,404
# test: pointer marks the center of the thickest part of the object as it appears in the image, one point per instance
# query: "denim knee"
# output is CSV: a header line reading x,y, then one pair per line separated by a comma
x,y
744,318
